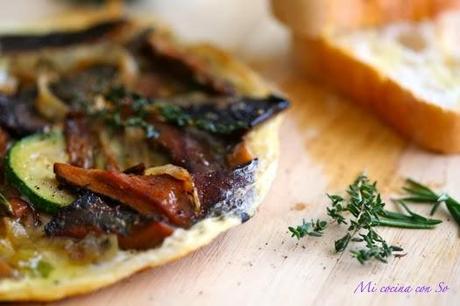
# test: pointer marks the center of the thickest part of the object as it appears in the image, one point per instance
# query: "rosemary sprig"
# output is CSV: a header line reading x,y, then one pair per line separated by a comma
x,y
419,193
411,220
313,228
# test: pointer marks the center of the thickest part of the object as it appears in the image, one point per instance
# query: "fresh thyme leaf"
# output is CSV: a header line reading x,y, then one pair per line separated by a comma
x,y
174,113
342,243
313,228
114,119
380,253
335,212
127,109
206,118
225,116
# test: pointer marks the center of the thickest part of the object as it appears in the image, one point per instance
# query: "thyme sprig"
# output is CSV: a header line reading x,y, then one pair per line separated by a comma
x,y
313,228
366,206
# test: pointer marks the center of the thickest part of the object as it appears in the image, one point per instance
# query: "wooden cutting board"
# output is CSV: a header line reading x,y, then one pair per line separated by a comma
x,y
326,141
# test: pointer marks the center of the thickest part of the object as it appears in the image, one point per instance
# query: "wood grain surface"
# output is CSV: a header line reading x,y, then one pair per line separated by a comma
x,y
326,142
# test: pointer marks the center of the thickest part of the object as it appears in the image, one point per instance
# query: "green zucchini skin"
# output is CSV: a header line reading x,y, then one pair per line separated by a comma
x,y
21,165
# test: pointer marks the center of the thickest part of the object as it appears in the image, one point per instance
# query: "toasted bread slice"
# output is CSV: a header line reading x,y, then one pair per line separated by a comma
x,y
317,17
406,73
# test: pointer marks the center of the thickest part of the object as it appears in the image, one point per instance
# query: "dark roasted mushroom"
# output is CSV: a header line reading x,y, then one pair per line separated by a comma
x,y
4,138
168,68
27,42
196,153
214,179
18,115
188,65
79,140
92,214
149,195
227,191
144,237
195,115
79,88
223,115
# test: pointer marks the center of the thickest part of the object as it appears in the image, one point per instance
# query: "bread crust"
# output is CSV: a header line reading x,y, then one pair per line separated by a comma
x,y
431,126
316,17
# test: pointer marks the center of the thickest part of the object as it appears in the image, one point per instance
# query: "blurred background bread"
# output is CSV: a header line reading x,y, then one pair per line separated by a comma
x,y
398,59
315,17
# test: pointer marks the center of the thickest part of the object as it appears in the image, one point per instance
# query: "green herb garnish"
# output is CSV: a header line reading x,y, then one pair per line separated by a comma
x,y
365,205
363,210
224,115
411,220
37,267
373,251
44,268
127,110
115,120
419,193
313,228
205,120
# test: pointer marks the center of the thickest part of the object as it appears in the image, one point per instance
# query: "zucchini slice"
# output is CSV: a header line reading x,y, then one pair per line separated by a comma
x,y
29,167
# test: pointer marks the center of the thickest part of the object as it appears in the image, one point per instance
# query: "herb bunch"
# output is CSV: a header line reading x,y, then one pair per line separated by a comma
x,y
363,209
